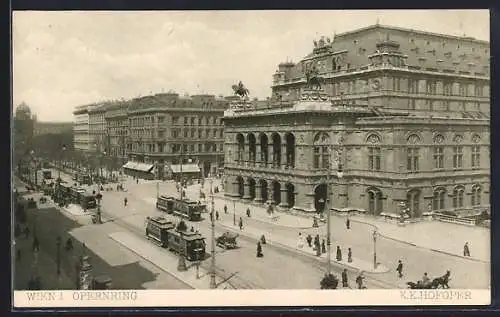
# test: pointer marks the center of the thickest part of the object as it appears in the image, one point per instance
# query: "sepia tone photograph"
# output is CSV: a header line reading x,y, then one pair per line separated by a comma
x,y
343,151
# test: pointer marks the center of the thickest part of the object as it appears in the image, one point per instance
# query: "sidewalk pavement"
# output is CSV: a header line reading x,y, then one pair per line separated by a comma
x,y
281,241
436,236
165,260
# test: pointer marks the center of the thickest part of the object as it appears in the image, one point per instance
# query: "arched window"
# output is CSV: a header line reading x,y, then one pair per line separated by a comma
x,y
438,199
321,151
458,197
476,195
373,152
438,152
412,153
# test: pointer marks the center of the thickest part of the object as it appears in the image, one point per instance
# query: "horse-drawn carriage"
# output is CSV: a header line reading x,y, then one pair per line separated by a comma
x,y
227,240
439,282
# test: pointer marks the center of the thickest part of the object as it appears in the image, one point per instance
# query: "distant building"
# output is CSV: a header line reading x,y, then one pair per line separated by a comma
x,y
154,133
166,129
23,132
41,128
404,114
84,138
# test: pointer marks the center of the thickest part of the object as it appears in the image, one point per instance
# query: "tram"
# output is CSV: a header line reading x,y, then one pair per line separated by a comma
x,y
157,230
163,233
185,208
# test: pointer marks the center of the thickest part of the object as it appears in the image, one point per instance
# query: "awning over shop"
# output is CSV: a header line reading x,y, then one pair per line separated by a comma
x,y
186,168
138,166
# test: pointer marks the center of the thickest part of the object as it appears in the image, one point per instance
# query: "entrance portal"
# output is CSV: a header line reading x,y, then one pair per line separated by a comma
x,y
320,197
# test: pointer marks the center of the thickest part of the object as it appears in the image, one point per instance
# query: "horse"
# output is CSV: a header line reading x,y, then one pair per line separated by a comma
x,y
443,280
313,80
241,90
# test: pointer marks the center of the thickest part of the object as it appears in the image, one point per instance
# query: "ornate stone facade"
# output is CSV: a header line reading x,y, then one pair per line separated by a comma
x,y
400,130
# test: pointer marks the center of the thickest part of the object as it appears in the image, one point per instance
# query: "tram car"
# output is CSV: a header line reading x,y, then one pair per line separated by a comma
x,y
185,208
191,244
47,174
163,233
157,230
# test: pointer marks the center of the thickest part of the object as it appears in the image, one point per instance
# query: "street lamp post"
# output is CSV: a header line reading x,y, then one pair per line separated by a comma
x,y
182,262
58,245
213,283
234,212
374,249
59,174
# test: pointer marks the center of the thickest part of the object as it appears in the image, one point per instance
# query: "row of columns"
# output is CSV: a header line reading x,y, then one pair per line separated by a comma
x,y
259,158
258,193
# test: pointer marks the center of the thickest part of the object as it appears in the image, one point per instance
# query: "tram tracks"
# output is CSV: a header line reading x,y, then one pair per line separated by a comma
x,y
234,280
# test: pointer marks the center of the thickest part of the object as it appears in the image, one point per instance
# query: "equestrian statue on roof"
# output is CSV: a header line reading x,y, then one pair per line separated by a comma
x,y
313,79
241,90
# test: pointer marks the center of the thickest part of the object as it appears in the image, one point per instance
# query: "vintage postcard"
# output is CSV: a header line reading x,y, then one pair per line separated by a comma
x,y
263,158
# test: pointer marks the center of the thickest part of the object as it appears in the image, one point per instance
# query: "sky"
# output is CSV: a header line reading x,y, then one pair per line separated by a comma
x,y
65,59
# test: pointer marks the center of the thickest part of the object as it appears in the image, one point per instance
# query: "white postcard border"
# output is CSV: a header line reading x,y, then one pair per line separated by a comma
x,y
232,298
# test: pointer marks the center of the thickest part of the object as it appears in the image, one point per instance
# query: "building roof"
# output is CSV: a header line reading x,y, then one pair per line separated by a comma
x,y
407,30
423,51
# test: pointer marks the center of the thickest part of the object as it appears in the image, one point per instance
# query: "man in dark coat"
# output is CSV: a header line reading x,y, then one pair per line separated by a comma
x,y
248,212
225,209
216,215
339,254
323,246
399,269
345,283
241,223
309,240
466,249
259,250
349,255
348,223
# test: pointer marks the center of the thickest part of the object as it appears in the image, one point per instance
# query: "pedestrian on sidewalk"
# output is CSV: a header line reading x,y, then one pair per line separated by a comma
x,y
26,232
259,250
36,244
399,269
316,242
323,247
18,255
241,223
318,247
263,239
300,243
125,201
359,280
344,278
348,223
192,229
466,249
339,254
309,240
349,255
137,181
225,209
248,212
216,215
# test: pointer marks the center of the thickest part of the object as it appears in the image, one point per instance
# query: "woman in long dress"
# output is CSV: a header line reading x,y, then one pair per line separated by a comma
x,y
300,243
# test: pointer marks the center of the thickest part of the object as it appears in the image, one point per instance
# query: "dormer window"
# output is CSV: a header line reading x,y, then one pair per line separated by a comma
x,y
428,42
412,40
355,41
